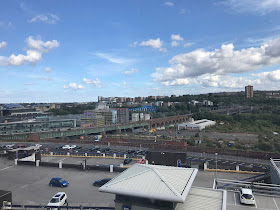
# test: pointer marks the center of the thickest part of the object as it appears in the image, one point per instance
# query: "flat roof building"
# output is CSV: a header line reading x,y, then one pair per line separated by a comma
x,y
196,125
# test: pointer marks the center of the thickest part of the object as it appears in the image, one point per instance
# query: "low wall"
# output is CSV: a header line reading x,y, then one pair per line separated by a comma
x,y
5,196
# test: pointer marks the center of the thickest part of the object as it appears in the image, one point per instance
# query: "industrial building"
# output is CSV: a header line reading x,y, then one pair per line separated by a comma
x,y
196,125
36,125
135,117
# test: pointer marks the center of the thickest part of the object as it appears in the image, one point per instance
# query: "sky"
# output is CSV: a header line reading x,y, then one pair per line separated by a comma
x,y
75,51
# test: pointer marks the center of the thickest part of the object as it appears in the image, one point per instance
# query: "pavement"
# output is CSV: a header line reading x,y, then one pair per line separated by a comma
x,y
262,202
29,184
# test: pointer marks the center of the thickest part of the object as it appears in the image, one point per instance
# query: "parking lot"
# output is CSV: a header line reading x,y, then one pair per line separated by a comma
x,y
262,202
29,184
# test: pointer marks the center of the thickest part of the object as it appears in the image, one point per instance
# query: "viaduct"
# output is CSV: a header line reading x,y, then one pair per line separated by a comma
x,y
149,124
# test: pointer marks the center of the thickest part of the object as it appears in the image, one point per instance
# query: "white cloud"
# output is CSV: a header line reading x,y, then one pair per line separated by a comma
x,y
261,7
176,37
3,44
162,49
168,3
181,81
273,76
154,43
96,83
188,44
48,69
182,11
131,71
33,54
45,18
218,62
113,59
124,83
74,86
134,44
41,46
174,44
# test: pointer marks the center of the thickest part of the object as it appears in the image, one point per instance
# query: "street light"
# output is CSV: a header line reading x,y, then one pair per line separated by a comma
x,y
216,154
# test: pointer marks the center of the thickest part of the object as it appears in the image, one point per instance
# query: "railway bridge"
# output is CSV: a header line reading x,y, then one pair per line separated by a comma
x,y
154,123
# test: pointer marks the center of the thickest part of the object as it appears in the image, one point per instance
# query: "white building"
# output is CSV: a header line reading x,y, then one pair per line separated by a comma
x,y
135,117
147,117
196,125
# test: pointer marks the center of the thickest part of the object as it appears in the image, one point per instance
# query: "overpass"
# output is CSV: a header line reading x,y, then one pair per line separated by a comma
x,y
154,123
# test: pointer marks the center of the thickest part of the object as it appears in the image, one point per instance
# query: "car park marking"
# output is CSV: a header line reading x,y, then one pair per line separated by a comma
x,y
6,168
275,204
61,159
234,198
24,186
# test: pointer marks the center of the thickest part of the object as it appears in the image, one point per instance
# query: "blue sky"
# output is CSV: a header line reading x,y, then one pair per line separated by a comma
x,y
65,51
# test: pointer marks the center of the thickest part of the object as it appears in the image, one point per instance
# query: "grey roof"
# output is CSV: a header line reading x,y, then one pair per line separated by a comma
x,y
153,182
203,198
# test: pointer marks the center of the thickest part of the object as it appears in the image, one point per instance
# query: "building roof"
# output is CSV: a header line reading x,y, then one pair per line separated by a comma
x,y
153,182
12,106
206,199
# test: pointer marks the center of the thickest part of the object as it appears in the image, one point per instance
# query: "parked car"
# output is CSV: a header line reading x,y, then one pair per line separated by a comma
x,y
10,146
58,182
141,161
130,151
94,148
101,182
66,147
59,147
21,146
106,149
72,147
59,199
246,196
36,145
78,147
127,161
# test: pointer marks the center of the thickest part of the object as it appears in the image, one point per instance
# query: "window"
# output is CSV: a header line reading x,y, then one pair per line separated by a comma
x,y
54,200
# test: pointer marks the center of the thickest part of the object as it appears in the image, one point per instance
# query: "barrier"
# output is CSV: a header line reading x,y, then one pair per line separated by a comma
x,y
9,206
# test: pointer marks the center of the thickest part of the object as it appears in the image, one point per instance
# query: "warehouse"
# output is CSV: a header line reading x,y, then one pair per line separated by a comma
x,y
196,125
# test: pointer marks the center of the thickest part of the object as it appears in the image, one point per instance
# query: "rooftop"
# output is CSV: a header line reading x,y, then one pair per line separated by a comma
x,y
153,182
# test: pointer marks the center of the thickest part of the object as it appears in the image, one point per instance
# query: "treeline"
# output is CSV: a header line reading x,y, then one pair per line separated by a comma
x,y
77,109
244,122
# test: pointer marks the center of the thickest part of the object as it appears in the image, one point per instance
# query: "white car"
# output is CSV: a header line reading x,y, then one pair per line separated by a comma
x,y
246,196
72,146
66,147
10,146
59,199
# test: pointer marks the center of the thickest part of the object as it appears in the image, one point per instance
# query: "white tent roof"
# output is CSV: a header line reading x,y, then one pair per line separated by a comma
x,y
153,182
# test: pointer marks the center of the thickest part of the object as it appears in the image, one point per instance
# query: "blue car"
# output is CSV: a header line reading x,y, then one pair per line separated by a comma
x,y
58,182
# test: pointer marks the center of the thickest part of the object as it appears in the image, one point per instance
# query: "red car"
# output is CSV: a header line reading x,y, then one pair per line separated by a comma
x,y
21,146
141,161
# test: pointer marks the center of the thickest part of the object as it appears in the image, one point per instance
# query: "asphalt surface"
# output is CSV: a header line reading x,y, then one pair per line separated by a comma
x,y
262,202
29,184
124,151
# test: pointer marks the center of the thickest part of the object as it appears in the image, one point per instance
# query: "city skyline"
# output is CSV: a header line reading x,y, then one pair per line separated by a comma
x,y
70,51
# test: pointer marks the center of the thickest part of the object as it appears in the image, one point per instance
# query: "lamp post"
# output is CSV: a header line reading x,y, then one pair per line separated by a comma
x,y
216,154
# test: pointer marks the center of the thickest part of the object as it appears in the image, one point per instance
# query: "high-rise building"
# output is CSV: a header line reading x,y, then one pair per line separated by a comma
x,y
249,93
122,115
